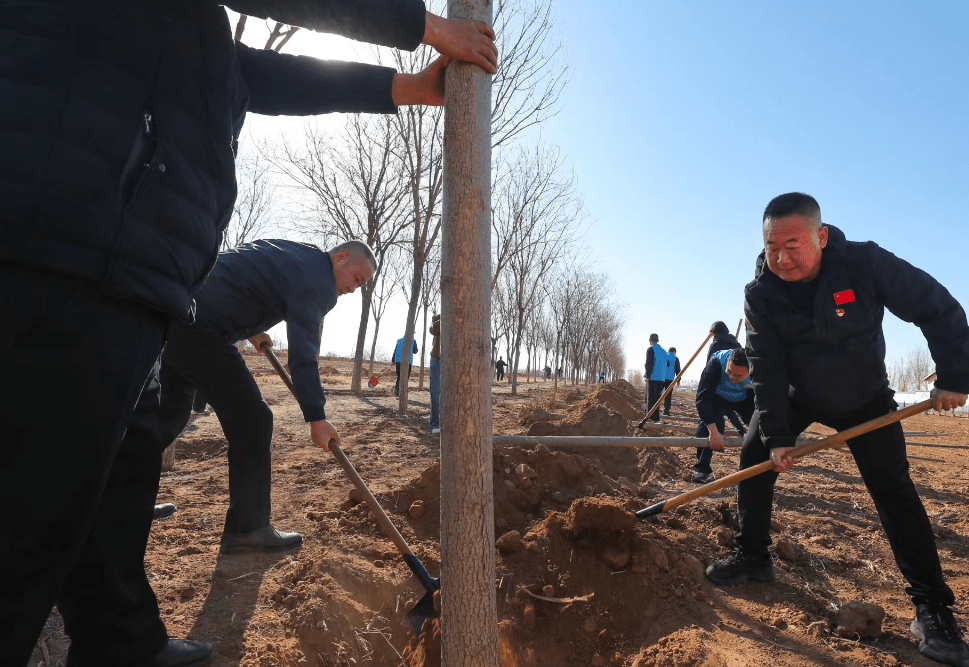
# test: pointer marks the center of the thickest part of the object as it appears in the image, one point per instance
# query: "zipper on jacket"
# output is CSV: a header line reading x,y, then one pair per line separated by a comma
x,y
139,162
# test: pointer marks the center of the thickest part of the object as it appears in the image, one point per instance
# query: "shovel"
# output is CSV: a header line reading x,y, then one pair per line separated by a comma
x,y
424,609
796,453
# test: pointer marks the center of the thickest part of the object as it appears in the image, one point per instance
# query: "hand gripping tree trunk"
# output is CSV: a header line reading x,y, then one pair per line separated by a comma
x,y
469,618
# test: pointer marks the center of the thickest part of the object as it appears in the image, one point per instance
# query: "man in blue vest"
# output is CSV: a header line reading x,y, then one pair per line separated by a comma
x,y
724,388
398,355
655,375
817,354
672,370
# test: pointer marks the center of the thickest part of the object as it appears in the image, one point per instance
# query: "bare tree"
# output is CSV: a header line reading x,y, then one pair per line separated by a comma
x,y
252,211
393,274
356,190
280,31
918,367
532,71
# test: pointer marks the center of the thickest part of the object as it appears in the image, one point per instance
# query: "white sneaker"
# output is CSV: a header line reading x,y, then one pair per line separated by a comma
x,y
435,430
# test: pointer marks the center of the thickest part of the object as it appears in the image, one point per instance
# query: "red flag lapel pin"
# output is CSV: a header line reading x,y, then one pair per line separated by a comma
x,y
841,298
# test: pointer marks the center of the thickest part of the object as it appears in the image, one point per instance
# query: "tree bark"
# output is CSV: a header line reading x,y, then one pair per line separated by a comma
x,y
469,619
367,297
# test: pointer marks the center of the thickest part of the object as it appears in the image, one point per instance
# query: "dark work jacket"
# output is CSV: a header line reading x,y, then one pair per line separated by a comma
x,y
707,397
117,124
257,285
721,342
833,364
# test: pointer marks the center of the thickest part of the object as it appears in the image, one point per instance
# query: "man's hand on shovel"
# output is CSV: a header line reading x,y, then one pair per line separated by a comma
x,y
780,459
322,433
259,340
943,399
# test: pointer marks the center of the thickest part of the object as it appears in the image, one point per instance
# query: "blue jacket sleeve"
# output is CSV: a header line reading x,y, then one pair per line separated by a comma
x,y
284,85
395,23
303,320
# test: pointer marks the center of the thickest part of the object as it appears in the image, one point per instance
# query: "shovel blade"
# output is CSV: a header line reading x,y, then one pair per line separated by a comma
x,y
423,610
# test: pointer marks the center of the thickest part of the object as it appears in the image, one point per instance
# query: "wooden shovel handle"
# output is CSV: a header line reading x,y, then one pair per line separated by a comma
x,y
797,453
389,528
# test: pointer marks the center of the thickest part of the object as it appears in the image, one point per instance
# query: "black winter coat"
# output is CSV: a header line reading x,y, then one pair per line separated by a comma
x,y
833,364
117,124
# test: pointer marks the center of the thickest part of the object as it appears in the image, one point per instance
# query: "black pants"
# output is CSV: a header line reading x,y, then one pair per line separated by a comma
x,y
499,375
724,409
397,384
881,460
77,501
214,366
199,402
668,403
654,390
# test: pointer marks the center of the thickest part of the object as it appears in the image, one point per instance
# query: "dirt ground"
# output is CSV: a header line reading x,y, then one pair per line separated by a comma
x,y
613,591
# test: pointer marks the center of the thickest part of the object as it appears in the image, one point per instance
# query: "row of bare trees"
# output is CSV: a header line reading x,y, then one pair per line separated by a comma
x,y
909,373
381,180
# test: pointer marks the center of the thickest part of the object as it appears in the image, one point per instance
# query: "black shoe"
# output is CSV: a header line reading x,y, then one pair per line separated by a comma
x,y
180,653
702,477
163,510
738,568
266,538
941,638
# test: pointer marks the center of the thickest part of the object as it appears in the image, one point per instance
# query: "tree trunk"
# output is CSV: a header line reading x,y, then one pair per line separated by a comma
x,y
405,352
367,296
469,618
420,383
373,345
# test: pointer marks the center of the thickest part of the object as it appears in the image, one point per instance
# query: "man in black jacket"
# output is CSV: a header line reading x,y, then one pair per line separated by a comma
x,y
117,176
252,288
722,339
817,353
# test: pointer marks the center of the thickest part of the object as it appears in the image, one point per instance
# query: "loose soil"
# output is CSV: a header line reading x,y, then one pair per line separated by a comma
x,y
580,580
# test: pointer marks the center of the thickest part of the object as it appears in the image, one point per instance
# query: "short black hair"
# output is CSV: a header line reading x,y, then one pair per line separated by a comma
x,y
653,338
719,328
738,357
793,203
672,350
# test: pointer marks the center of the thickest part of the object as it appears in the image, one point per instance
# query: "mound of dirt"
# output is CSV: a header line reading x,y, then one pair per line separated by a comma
x,y
616,401
572,589
526,484
590,419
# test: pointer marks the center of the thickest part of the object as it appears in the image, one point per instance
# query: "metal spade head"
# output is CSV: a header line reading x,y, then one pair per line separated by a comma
x,y
423,610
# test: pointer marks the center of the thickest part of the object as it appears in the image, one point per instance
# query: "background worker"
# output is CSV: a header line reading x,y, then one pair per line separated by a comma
x,y
724,388
655,375
118,181
817,354
722,339
398,355
672,370
500,369
434,384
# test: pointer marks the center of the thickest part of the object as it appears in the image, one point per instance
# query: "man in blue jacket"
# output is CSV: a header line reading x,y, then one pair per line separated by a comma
x,y
398,355
817,354
117,130
672,370
655,375
724,389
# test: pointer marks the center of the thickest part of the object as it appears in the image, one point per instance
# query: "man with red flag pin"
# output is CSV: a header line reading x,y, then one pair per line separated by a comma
x,y
817,354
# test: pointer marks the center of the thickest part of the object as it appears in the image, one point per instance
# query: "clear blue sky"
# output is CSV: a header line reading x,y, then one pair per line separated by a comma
x,y
683,119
